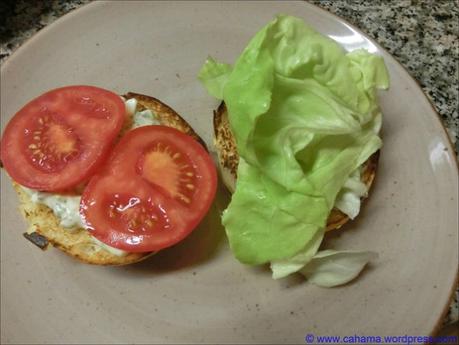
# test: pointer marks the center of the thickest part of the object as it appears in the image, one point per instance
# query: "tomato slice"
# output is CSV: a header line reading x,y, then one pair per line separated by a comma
x,y
154,190
60,138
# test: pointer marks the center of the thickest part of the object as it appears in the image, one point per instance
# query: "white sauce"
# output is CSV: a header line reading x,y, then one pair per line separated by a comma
x,y
140,118
114,251
66,208
145,118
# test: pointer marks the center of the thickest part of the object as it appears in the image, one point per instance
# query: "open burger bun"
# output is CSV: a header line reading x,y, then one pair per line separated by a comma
x,y
44,228
228,160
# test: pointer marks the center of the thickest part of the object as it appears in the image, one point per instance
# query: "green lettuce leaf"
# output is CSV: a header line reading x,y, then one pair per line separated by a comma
x,y
272,222
214,75
330,268
283,268
305,116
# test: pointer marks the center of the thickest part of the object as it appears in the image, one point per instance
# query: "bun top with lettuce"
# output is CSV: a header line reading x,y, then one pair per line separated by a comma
x,y
305,118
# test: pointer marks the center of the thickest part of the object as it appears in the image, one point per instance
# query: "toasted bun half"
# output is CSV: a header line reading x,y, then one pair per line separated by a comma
x,y
228,159
44,226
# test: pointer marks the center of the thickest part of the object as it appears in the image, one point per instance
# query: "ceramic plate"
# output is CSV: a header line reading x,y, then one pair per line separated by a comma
x,y
196,291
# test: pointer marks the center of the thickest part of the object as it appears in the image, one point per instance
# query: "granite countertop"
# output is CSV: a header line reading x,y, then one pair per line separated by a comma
x,y
420,34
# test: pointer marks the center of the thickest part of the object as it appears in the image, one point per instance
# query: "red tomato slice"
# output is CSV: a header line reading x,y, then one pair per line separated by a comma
x,y
62,137
156,187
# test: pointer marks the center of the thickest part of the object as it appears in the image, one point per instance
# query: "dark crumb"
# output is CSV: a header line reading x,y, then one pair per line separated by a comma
x,y
177,75
37,239
194,273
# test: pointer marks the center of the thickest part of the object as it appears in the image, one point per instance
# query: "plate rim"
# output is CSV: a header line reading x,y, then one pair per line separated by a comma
x,y
451,150
439,324
418,84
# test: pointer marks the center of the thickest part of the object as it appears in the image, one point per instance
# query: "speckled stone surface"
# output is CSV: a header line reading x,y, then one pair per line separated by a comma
x,y
421,34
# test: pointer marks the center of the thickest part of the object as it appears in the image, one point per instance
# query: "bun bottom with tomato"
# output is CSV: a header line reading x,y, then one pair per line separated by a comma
x,y
228,159
49,213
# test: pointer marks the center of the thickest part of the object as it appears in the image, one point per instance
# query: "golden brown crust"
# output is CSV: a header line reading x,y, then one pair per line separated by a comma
x,y
78,242
224,141
228,160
